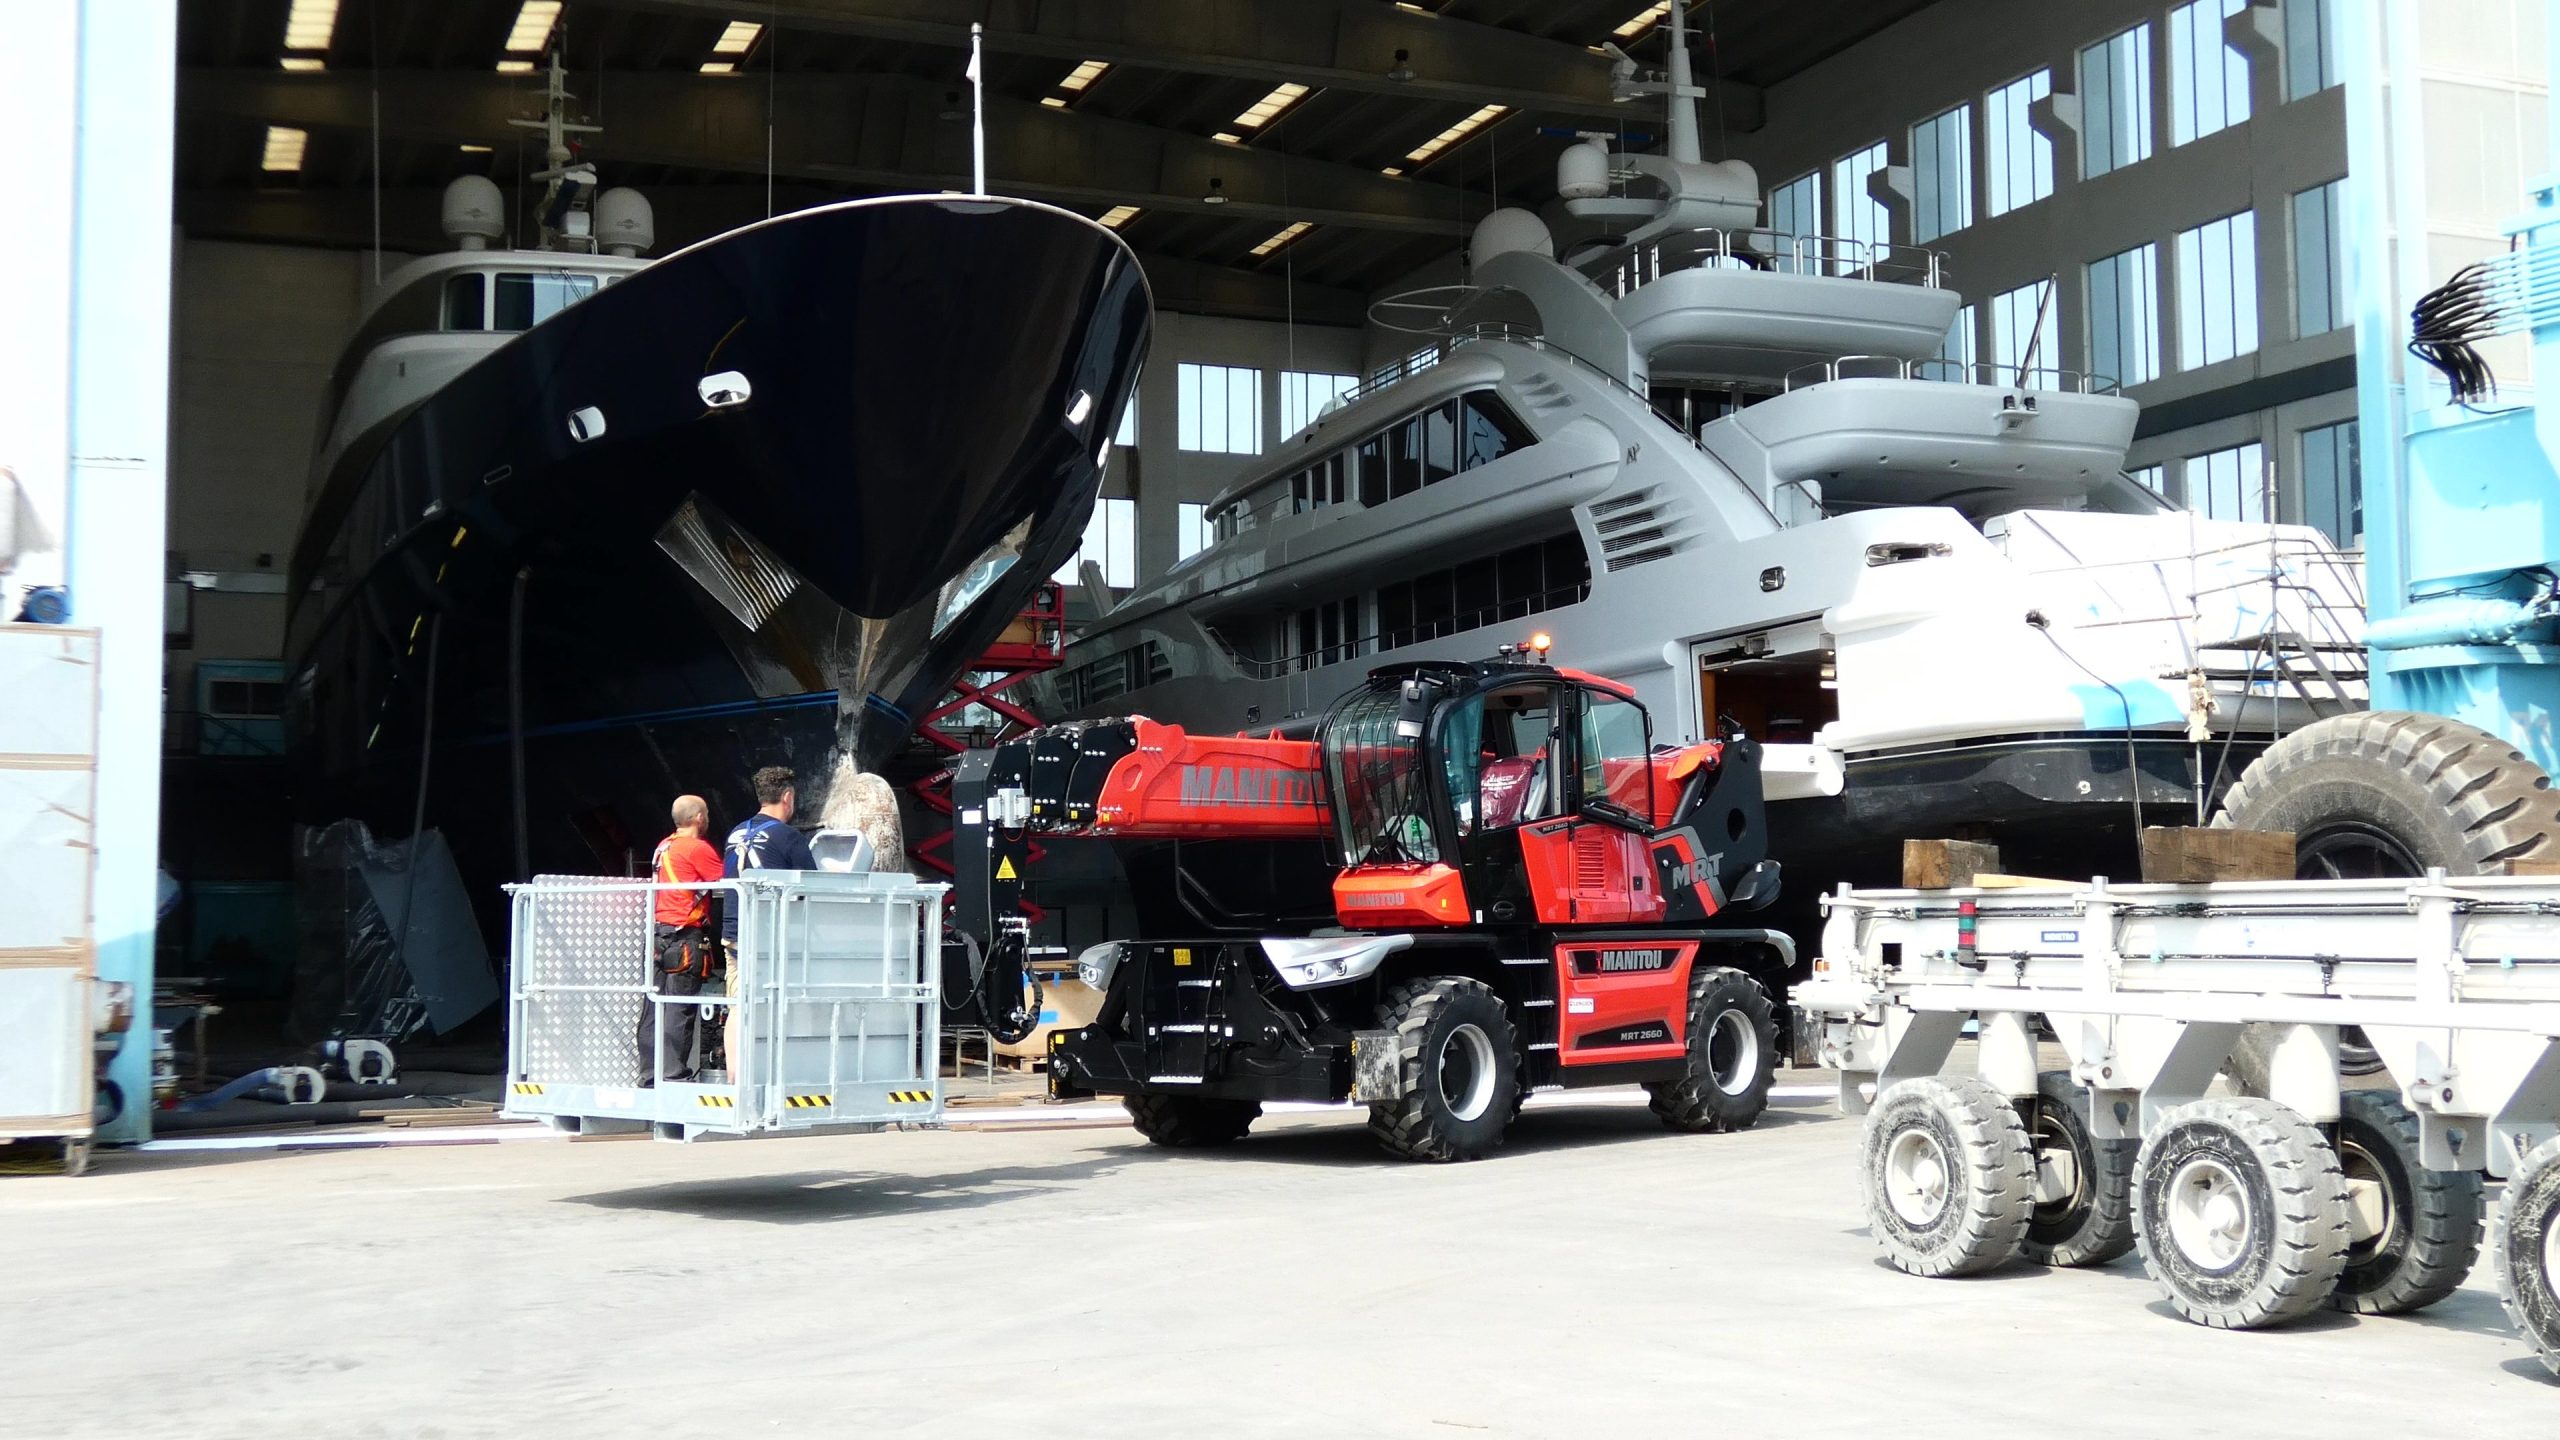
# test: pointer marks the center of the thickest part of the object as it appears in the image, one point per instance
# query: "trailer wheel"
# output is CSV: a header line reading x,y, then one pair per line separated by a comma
x,y
1948,1177
2084,1186
2412,1232
2524,1250
1461,1068
1191,1122
1733,1055
2241,1212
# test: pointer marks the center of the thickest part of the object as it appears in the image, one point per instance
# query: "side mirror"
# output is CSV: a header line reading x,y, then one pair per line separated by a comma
x,y
725,389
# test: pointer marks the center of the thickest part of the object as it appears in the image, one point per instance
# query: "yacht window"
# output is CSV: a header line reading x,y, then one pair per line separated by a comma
x,y
1440,443
1487,431
1329,479
1404,458
1300,500
525,301
466,305
1373,470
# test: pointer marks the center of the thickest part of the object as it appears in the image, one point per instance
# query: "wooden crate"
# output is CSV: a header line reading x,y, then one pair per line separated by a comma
x,y
1946,864
2188,855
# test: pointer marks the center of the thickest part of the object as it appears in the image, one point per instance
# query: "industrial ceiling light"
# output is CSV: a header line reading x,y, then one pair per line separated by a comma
x,y
515,67
1651,16
308,28
1228,137
1053,102
1263,111
476,149
738,38
1084,74
1284,237
532,30
719,67
284,149
1217,192
1402,70
1455,133
1119,215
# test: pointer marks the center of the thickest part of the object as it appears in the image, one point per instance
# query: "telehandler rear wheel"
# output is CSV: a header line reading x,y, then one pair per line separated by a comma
x,y
1191,1122
1949,1180
1461,1071
1733,1055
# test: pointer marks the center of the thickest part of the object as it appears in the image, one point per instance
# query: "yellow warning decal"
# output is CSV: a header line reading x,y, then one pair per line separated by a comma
x,y
1004,869
521,1088
808,1102
717,1102
910,1097
1181,955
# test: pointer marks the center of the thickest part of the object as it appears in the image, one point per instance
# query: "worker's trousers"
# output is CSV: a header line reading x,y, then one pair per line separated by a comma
x,y
668,1030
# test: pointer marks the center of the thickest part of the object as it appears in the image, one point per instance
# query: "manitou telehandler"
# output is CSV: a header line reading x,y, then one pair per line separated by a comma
x,y
1523,895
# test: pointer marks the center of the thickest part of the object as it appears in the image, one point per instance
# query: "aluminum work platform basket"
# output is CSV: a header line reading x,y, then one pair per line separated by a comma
x,y
833,991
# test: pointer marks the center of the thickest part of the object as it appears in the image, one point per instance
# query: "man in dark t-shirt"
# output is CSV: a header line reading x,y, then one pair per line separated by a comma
x,y
765,840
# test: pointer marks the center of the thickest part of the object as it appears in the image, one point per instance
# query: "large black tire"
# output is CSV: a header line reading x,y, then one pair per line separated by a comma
x,y
1460,1063
2524,1250
1733,1055
2390,793
1948,1179
2083,1185
1191,1122
2393,794
2241,1212
2427,1223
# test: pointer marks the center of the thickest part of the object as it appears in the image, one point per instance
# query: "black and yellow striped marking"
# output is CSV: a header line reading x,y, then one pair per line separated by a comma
x,y
910,1097
521,1088
717,1102
808,1102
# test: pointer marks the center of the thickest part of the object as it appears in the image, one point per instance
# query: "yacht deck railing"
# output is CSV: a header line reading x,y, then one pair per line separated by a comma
x,y
1951,372
1778,252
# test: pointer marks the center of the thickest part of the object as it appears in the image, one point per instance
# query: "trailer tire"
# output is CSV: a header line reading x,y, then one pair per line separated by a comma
x,y
1461,1066
2524,1250
1732,1056
2241,1212
1191,1122
2083,1212
2430,1221
1948,1179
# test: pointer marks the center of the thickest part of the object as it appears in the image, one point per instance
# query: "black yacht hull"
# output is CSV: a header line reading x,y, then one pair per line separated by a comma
x,y
758,503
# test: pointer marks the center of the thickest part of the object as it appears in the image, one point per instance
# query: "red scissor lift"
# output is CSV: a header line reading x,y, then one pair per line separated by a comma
x,y
1032,644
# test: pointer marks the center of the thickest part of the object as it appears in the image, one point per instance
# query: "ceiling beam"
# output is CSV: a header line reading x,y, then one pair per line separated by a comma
x,y
1344,44
883,131
343,219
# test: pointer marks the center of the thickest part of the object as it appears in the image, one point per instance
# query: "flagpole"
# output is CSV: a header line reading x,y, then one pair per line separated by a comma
x,y
978,104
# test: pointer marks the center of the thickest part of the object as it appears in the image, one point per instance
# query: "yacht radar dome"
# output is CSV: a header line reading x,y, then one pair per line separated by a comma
x,y
474,212
1510,230
625,225
1582,171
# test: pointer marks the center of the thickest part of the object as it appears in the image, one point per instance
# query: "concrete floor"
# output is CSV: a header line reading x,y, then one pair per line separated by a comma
x,y
1600,1277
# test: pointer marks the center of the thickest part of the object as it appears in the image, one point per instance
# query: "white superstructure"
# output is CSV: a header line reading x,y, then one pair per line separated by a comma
x,y
1727,465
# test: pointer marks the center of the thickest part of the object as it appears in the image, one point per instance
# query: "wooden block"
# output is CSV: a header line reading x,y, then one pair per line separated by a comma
x,y
2024,882
2187,855
1945,864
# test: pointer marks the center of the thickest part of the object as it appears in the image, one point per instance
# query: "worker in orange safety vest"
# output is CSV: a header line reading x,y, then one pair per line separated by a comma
x,y
687,947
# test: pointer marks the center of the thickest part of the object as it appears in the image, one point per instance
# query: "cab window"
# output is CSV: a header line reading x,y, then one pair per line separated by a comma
x,y
1500,752
465,307
1616,753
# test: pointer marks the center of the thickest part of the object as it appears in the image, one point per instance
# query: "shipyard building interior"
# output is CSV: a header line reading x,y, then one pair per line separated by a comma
x,y
1586,490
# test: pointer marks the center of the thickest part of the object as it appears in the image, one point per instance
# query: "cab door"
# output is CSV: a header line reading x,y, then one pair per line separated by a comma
x,y
1593,863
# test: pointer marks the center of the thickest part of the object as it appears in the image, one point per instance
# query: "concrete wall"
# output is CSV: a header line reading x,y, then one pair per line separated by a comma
x,y
1160,475
256,330
1958,52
